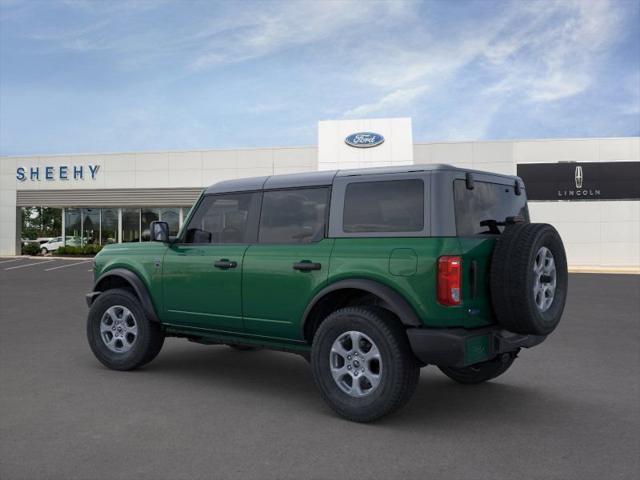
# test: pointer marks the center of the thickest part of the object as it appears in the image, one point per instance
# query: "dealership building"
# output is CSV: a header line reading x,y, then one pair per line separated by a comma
x,y
588,188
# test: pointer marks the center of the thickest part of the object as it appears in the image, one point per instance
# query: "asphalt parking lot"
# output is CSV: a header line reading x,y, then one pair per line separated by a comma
x,y
566,409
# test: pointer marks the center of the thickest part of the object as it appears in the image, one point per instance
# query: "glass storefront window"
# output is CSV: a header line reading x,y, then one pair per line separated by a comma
x,y
172,217
90,226
86,226
148,215
109,226
72,226
130,225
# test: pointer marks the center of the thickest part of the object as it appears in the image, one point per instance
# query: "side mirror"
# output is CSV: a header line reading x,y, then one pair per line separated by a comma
x,y
159,232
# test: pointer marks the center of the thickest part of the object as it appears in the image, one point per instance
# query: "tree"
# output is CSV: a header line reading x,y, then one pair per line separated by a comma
x,y
41,222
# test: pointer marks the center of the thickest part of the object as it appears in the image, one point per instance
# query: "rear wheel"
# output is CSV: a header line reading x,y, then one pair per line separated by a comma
x,y
362,363
119,333
480,372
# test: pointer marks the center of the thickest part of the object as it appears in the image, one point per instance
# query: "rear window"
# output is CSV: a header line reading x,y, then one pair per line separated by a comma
x,y
385,206
487,201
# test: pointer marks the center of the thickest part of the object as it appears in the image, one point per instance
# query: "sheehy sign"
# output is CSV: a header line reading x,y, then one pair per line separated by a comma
x,y
59,172
581,180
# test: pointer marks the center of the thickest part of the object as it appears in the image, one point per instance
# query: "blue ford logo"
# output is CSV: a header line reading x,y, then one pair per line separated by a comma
x,y
364,139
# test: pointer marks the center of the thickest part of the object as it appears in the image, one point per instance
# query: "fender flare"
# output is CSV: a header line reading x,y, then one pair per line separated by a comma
x,y
134,281
396,302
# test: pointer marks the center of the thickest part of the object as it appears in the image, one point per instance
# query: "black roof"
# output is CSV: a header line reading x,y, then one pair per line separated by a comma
x,y
320,178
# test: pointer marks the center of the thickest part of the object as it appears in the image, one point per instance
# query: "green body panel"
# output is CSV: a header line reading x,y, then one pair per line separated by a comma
x,y
390,261
274,295
143,259
263,299
477,349
477,249
198,294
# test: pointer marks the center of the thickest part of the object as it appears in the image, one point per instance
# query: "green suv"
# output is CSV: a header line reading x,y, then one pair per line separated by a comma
x,y
369,274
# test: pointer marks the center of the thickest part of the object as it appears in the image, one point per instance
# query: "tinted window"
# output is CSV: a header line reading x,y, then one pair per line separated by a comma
x,y
389,206
487,201
293,216
228,218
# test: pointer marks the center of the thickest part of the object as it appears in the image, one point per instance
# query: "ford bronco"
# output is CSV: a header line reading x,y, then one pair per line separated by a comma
x,y
370,274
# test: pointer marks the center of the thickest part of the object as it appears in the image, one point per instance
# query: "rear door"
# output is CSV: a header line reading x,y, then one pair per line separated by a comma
x,y
477,210
289,263
202,272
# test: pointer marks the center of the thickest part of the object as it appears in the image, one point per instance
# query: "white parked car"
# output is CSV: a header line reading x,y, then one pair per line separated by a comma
x,y
52,245
57,242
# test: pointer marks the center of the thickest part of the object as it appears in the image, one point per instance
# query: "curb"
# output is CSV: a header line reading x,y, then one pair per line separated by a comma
x,y
609,270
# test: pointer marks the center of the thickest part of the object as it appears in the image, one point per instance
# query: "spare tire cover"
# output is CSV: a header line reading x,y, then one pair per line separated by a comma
x,y
528,278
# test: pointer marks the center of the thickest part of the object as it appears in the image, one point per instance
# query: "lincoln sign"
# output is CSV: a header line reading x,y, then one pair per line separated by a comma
x,y
581,180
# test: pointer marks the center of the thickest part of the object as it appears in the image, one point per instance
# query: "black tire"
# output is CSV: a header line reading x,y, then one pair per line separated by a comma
x,y
512,279
243,348
480,372
147,343
399,372
44,251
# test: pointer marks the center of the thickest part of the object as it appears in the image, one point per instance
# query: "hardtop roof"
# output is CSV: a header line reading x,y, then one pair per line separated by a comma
x,y
326,177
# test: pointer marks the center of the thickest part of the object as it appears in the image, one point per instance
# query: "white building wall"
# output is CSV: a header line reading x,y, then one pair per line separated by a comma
x,y
8,210
335,154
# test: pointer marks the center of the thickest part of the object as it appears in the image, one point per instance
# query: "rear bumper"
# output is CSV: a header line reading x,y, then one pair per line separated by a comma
x,y
459,347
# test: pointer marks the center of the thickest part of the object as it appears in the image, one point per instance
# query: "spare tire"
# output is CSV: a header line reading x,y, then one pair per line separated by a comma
x,y
528,278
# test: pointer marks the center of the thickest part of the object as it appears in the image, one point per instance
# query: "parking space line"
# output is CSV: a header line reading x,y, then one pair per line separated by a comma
x,y
30,264
65,266
9,261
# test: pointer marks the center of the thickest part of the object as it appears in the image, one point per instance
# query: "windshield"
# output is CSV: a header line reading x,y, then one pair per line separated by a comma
x,y
478,210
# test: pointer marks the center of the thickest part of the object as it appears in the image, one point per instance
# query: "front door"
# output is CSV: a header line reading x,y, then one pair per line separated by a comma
x,y
289,263
202,271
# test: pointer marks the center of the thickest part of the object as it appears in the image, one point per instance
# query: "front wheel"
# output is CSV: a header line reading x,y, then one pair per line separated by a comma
x,y
362,363
44,251
119,333
480,372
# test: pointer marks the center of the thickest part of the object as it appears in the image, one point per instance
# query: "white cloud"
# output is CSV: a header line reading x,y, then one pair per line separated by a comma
x,y
279,26
536,51
552,57
396,99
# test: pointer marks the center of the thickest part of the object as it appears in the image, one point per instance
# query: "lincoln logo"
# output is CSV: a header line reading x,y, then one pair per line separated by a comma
x,y
579,177
364,140
579,191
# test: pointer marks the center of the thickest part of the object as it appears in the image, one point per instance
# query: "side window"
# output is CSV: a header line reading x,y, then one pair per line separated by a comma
x,y
293,216
384,206
229,218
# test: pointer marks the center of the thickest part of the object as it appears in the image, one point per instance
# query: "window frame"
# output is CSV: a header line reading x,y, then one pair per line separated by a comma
x,y
255,218
336,218
325,230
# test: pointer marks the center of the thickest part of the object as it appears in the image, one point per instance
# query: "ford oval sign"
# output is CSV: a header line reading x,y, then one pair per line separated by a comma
x,y
364,139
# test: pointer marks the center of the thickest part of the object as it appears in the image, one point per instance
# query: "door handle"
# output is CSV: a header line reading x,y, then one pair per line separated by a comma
x,y
306,266
225,264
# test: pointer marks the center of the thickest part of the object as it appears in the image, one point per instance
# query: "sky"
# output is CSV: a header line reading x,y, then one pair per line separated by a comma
x,y
84,76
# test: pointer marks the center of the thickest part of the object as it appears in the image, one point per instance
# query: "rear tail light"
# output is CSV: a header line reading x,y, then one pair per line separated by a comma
x,y
449,280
